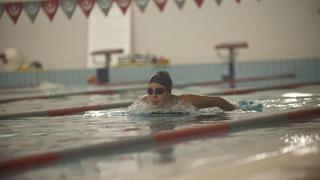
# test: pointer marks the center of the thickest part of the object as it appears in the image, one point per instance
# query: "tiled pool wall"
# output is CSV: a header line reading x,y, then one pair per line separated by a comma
x,y
305,70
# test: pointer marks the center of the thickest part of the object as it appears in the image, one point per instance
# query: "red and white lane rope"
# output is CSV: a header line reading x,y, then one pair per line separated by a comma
x,y
63,112
121,89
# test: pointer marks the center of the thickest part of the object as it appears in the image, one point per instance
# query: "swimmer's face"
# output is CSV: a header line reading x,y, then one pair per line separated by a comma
x,y
158,95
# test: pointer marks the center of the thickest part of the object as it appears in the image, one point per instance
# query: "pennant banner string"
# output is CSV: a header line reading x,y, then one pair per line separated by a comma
x,y
50,7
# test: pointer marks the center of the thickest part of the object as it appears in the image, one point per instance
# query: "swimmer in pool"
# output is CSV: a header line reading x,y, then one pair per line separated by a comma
x,y
159,95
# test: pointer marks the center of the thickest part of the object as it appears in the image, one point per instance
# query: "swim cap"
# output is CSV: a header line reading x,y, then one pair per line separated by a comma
x,y
163,78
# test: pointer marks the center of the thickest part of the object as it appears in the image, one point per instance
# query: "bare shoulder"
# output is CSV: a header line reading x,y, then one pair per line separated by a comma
x,y
144,98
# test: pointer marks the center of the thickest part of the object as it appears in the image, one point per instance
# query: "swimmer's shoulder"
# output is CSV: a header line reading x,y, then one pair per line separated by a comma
x,y
144,98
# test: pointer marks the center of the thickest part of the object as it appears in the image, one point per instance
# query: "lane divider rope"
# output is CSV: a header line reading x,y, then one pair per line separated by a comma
x,y
240,80
251,90
63,112
114,91
141,143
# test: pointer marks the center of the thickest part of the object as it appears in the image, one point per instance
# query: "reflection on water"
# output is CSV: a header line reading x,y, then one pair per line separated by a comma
x,y
296,94
284,103
165,153
301,144
297,144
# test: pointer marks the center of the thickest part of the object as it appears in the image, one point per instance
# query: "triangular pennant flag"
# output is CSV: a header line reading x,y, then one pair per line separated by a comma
x,y
32,9
86,6
180,3
218,2
68,7
238,1
105,6
1,9
142,4
199,2
161,4
14,10
50,7
123,5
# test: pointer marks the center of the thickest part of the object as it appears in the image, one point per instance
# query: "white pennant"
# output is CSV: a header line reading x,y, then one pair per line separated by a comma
x,y
32,9
1,9
142,4
105,6
68,7
180,3
218,2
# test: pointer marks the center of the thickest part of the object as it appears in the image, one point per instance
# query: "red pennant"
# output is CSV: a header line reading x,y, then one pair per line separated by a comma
x,y
123,5
199,2
50,7
161,4
238,1
86,6
14,10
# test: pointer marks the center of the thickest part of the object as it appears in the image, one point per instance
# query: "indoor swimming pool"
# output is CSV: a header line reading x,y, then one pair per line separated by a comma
x,y
273,151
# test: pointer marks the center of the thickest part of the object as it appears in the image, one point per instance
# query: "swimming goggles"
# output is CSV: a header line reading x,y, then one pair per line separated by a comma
x,y
157,91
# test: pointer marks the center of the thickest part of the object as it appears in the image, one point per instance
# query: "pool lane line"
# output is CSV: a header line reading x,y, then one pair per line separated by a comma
x,y
114,91
108,92
239,80
64,111
252,90
121,83
21,164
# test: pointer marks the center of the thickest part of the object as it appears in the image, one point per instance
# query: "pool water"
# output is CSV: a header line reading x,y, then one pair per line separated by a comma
x,y
289,152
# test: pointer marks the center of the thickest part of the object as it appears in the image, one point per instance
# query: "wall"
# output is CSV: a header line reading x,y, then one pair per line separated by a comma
x,y
60,44
304,70
274,30
111,32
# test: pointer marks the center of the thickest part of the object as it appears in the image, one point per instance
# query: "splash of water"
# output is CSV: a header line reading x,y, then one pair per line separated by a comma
x,y
140,107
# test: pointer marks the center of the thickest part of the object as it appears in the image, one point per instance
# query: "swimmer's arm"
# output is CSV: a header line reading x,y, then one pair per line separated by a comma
x,y
207,101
